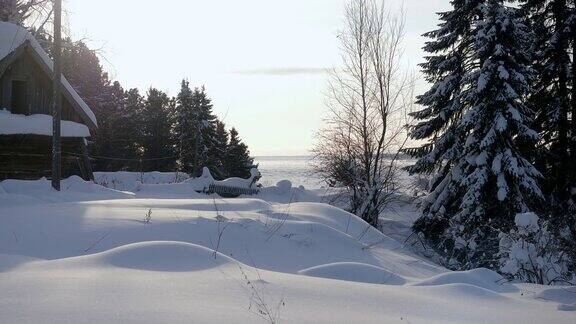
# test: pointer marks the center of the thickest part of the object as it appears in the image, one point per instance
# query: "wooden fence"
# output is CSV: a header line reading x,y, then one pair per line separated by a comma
x,y
230,192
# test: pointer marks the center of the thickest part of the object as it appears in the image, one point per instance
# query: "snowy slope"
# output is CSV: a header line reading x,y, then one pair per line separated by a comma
x,y
69,257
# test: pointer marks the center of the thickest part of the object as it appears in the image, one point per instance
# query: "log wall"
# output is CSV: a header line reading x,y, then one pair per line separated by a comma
x,y
30,157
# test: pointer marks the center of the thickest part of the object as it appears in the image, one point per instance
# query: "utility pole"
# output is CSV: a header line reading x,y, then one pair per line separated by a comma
x,y
57,97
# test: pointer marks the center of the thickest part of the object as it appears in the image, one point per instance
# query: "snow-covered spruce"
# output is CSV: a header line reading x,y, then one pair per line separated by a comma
x,y
554,22
202,140
194,127
476,122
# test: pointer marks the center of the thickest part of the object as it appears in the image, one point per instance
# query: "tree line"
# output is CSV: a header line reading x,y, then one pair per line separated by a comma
x,y
141,132
153,131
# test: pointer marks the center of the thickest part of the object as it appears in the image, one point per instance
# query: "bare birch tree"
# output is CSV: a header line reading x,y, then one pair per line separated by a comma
x,y
367,100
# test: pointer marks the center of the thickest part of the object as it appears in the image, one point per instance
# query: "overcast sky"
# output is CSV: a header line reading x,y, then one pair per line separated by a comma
x,y
263,62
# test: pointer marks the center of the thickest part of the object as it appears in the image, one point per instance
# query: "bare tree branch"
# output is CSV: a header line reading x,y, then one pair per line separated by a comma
x,y
366,99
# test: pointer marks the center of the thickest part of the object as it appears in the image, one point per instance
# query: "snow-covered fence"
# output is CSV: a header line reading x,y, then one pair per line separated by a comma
x,y
228,191
229,188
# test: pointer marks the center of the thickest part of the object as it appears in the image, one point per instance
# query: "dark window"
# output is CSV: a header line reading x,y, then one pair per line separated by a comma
x,y
19,97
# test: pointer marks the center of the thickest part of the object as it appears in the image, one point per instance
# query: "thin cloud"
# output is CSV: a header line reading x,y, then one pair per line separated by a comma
x,y
283,71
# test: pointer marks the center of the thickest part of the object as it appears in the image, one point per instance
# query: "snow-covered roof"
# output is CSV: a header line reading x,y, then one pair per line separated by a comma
x,y
11,124
12,36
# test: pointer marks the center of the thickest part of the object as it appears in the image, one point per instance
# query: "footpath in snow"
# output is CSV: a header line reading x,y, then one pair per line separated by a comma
x,y
158,251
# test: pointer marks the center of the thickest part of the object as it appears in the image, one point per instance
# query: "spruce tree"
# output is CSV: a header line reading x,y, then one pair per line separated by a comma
x,y
238,161
106,107
186,130
207,130
476,119
219,149
444,68
555,25
129,133
195,130
157,139
550,98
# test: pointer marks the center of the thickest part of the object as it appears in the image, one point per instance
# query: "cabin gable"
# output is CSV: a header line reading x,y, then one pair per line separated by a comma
x,y
26,87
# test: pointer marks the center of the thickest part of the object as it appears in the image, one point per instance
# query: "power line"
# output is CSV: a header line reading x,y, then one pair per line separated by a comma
x,y
99,157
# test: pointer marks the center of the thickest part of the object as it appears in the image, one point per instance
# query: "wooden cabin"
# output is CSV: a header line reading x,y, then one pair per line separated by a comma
x,y
26,112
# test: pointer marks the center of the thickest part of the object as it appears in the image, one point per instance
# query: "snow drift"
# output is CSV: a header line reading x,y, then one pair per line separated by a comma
x,y
162,256
353,271
210,260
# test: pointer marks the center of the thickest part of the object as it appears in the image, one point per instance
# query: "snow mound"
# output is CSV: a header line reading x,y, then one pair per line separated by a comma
x,y
77,184
11,200
73,189
341,221
354,271
284,186
241,182
206,180
202,182
481,277
284,192
133,181
465,291
164,256
8,262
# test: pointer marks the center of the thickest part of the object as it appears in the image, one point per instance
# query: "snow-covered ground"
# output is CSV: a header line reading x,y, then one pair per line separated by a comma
x,y
166,254
131,181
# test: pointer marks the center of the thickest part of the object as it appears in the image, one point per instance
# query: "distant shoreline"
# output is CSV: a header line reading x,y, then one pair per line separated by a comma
x,y
283,156
309,157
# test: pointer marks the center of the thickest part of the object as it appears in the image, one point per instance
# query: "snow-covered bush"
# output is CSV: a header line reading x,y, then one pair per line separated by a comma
x,y
284,186
530,253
